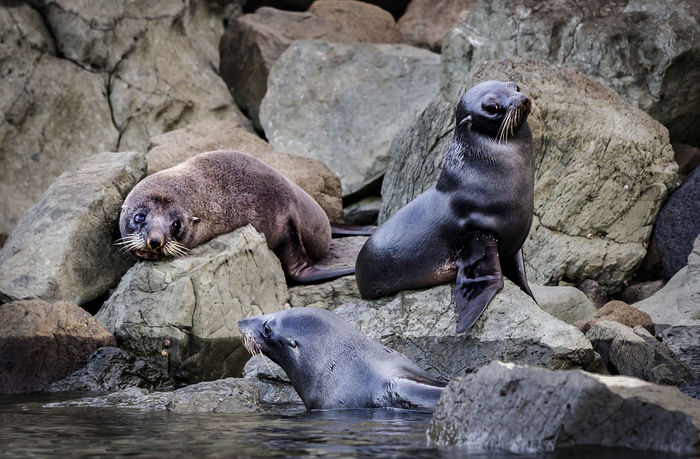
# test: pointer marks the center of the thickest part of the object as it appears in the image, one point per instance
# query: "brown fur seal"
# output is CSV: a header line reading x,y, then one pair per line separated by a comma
x,y
472,224
213,193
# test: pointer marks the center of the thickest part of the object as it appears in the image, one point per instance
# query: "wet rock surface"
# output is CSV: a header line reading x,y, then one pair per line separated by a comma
x,y
230,395
421,325
548,411
358,92
62,248
314,177
597,232
182,314
42,342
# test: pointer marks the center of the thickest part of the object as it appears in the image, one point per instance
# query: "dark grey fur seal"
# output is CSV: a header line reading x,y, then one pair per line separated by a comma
x,y
332,365
472,224
174,210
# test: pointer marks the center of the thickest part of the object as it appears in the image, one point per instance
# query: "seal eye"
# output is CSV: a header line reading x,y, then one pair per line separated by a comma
x,y
292,343
491,109
139,218
176,225
266,329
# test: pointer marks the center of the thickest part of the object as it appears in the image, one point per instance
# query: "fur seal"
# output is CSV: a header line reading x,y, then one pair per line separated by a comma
x,y
332,365
176,209
472,224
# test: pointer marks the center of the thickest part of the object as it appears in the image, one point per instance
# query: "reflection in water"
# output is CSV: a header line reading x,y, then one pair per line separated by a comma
x,y
27,428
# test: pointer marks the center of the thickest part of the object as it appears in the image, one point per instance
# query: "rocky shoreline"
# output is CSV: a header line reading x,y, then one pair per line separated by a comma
x,y
355,104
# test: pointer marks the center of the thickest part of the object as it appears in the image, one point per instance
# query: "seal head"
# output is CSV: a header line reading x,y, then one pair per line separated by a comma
x,y
332,365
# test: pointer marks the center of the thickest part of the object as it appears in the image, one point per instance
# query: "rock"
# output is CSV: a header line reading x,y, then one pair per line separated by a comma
x,y
640,291
54,113
230,395
426,22
328,295
421,325
678,303
253,42
531,410
111,369
635,352
41,343
314,177
358,92
3,239
687,157
62,248
271,380
567,304
648,52
594,292
678,224
363,212
182,314
597,232
620,312
684,341
691,389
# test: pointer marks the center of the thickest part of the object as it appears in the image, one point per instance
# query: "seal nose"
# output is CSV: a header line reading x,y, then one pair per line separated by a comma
x,y
526,102
155,243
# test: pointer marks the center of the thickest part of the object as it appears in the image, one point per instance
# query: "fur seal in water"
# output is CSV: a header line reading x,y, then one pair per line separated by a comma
x,y
176,209
472,224
332,365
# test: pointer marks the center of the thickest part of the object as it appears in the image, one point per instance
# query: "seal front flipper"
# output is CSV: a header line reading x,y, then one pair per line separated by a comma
x,y
414,395
341,229
308,273
514,269
479,278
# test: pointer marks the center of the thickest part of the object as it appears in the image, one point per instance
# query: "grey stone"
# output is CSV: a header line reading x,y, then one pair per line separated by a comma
x,y
641,291
635,352
426,22
421,325
53,113
647,51
271,380
230,395
182,314
678,224
112,369
506,407
567,304
684,341
594,292
343,104
327,295
62,248
598,231
364,211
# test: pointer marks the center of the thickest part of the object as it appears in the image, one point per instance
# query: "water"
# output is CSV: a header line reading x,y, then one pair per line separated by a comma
x,y
29,429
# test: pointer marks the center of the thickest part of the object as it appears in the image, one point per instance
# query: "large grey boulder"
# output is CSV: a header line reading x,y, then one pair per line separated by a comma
x,y
604,169
53,112
343,104
566,303
635,352
421,325
649,52
183,314
426,22
683,340
62,248
230,395
525,410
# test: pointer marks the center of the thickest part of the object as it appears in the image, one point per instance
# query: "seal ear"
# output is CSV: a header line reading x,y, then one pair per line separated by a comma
x,y
467,121
195,220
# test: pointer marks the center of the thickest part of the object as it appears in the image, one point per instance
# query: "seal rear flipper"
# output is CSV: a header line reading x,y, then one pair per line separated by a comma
x,y
309,274
341,229
414,395
514,269
479,278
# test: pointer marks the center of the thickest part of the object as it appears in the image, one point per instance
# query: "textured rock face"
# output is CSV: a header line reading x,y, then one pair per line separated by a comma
x,y
182,314
646,51
426,22
683,341
271,381
620,312
230,395
62,248
42,342
421,325
603,170
54,113
314,177
678,224
550,410
364,94
635,352
253,42
112,369
567,304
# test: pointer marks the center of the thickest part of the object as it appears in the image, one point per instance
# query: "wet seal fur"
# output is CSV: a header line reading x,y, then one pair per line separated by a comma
x,y
332,365
470,226
213,193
